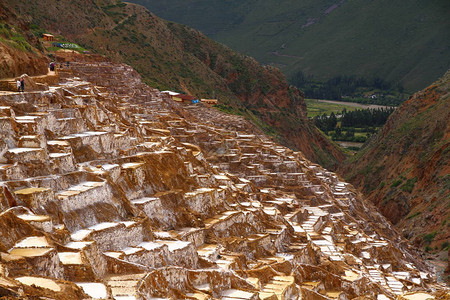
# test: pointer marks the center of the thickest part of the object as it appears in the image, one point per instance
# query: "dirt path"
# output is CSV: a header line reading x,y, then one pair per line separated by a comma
x,y
353,104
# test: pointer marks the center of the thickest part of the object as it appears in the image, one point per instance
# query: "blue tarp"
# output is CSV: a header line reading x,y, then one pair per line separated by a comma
x,y
66,46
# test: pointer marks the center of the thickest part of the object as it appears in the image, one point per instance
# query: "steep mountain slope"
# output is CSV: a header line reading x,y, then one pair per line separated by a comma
x,y
15,60
172,56
399,41
405,168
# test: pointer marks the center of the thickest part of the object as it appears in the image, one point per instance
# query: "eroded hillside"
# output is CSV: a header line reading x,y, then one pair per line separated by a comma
x,y
19,53
172,56
405,168
111,190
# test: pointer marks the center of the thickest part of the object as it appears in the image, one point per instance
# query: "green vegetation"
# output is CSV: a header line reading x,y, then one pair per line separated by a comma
x,y
396,183
11,36
352,126
402,42
37,31
317,108
445,246
428,238
365,117
228,109
413,215
252,115
409,185
352,89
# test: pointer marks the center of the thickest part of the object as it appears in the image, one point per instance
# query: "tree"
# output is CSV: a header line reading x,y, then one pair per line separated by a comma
x,y
332,121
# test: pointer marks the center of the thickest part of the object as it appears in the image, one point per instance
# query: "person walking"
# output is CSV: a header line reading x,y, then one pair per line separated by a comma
x,y
18,85
22,84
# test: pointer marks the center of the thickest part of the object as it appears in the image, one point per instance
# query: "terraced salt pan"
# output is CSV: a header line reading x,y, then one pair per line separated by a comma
x,y
418,296
114,254
126,298
236,294
144,200
79,188
31,190
402,275
128,223
244,180
207,249
224,263
350,275
34,218
59,143
174,245
30,252
108,167
102,226
311,284
40,282
70,258
286,256
198,296
251,204
285,200
271,211
334,294
395,285
57,155
131,250
23,150
80,234
78,245
94,290
33,241
6,282
162,234
26,118
84,134
132,165
150,245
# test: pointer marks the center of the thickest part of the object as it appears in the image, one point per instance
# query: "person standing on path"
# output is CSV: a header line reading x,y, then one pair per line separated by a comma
x,y
18,85
22,84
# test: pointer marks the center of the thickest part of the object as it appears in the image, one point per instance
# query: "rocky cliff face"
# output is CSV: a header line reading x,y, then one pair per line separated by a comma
x,y
109,190
172,56
15,62
404,170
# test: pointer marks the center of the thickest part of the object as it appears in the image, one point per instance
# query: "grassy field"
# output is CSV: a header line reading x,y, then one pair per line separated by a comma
x,y
359,135
316,108
399,41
